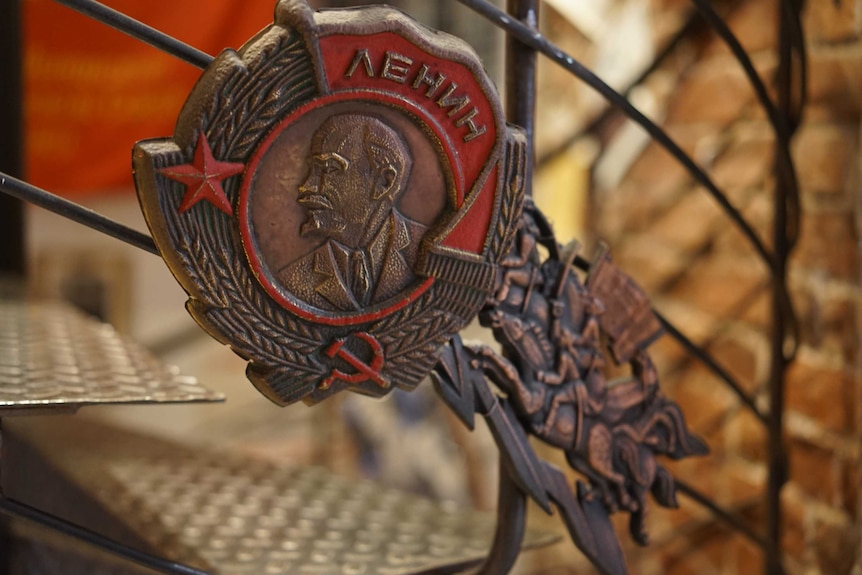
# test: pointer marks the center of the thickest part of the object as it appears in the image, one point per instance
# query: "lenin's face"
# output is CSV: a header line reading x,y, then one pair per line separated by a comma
x,y
337,194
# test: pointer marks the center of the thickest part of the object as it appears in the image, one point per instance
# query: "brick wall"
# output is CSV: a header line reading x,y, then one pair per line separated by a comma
x,y
672,237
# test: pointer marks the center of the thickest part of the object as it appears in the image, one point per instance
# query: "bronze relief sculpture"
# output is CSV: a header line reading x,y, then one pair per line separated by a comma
x,y
557,333
342,196
335,199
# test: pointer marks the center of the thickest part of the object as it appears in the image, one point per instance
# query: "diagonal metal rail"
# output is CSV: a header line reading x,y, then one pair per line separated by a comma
x,y
710,362
732,520
75,212
20,510
140,31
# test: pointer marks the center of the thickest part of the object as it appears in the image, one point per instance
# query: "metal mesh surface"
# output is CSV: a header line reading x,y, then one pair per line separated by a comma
x,y
228,514
239,517
55,358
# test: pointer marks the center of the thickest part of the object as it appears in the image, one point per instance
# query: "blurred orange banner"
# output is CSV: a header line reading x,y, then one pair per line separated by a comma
x,y
91,92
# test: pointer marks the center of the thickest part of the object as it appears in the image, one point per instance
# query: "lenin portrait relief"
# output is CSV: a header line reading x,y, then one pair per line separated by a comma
x,y
358,168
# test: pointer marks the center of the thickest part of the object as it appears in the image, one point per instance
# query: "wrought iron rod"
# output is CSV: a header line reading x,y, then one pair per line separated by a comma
x,y
541,44
140,31
784,161
12,256
75,212
23,511
521,80
520,110
777,454
732,520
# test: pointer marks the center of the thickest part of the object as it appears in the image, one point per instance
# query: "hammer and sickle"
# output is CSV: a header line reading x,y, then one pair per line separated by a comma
x,y
364,371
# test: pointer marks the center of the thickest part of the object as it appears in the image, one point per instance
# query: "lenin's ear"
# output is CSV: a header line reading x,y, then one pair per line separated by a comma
x,y
384,183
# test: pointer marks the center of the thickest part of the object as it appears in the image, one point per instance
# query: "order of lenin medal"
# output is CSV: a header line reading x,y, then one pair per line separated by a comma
x,y
336,199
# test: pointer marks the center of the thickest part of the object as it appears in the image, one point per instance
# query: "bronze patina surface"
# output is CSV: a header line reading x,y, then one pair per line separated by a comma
x,y
336,199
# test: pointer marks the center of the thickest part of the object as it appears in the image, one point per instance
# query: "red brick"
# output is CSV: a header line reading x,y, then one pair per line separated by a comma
x,y
748,435
652,264
835,82
737,357
754,25
719,284
633,208
716,93
756,208
829,243
819,393
813,469
689,224
830,323
759,313
793,539
850,485
741,487
835,545
830,22
688,564
747,557
657,171
703,398
746,164
824,158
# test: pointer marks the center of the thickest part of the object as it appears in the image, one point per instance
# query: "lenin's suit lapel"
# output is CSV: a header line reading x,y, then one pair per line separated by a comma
x,y
331,285
395,267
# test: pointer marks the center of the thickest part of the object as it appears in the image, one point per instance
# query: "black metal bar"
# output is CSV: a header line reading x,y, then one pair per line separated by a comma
x,y
732,520
783,238
784,160
68,209
140,31
511,524
521,80
541,44
520,110
23,511
12,254
704,357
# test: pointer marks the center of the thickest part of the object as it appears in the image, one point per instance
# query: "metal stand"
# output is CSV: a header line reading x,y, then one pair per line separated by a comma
x,y
11,137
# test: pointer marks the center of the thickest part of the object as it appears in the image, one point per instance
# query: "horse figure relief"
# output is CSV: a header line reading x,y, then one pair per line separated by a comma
x,y
559,334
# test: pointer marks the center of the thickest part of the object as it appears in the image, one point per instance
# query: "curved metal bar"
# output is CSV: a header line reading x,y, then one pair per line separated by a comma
x,y
785,229
732,520
140,31
538,42
23,511
783,125
778,122
75,212
511,525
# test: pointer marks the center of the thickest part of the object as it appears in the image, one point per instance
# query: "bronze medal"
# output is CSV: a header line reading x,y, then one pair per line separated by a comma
x,y
336,199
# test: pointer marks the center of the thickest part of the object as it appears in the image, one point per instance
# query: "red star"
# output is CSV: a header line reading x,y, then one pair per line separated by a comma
x,y
203,178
